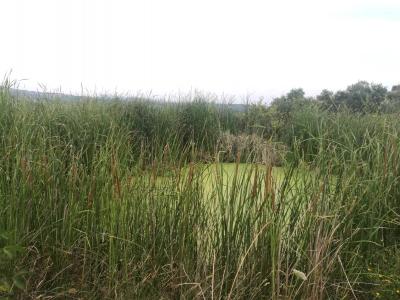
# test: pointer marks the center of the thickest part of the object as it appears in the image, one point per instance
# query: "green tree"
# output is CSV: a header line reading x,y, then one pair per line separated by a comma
x,y
393,100
361,97
292,101
283,109
394,94
258,120
327,100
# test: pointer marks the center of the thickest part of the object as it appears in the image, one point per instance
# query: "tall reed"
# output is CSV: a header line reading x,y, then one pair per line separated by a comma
x,y
114,200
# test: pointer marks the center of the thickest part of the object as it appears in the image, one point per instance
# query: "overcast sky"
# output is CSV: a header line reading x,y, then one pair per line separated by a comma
x,y
262,48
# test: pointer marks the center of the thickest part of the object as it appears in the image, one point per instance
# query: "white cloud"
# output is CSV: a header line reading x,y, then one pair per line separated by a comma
x,y
263,47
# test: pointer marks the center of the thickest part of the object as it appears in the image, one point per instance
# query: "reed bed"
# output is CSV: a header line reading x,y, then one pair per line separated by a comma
x,y
113,200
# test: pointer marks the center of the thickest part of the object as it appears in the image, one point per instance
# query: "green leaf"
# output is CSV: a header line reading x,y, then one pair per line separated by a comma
x,y
4,287
4,236
8,253
11,251
19,282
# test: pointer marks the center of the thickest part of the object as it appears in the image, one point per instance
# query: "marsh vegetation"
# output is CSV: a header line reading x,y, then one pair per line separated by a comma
x,y
125,199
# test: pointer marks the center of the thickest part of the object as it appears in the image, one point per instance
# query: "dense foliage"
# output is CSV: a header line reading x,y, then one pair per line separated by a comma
x,y
129,200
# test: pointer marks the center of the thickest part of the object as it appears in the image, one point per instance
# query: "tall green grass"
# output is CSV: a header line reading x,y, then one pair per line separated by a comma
x,y
113,200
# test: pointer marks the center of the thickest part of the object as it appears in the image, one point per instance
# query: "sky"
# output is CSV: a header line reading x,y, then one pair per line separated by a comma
x,y
254,48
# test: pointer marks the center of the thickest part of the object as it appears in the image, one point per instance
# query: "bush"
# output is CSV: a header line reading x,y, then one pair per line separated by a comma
x,y
250,148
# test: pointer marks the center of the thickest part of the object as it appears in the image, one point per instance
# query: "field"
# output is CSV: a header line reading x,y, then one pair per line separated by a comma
x,y
134,199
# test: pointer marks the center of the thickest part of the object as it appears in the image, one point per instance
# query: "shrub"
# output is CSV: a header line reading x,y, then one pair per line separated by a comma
x,y
250,148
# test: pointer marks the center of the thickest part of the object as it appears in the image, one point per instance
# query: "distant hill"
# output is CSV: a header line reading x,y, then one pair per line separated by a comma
x,y
43,95
238,107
